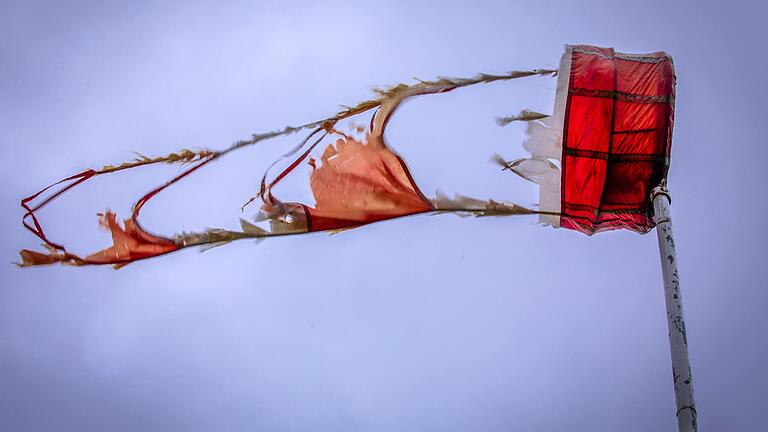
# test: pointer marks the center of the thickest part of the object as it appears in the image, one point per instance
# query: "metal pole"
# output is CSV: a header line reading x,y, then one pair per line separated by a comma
x,y
678,341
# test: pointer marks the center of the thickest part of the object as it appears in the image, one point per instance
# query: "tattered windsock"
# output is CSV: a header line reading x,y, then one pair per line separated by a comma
x,y
595,159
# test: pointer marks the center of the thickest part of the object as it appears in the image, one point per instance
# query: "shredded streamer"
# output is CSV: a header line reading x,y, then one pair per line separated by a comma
x,y
593,167
354,183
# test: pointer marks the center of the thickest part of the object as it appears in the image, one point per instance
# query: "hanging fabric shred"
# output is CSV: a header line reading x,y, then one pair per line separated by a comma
x,y
595,159
358,183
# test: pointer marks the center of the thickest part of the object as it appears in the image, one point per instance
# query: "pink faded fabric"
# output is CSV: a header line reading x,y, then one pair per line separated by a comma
x,y
359,183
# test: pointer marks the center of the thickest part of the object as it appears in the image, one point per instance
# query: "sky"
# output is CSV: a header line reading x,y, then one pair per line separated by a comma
x,y
422,323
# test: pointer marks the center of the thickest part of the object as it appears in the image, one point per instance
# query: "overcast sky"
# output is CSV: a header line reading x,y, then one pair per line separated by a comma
x,y
423,323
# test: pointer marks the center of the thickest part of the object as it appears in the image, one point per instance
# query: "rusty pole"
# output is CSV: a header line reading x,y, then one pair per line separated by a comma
x,y
678,341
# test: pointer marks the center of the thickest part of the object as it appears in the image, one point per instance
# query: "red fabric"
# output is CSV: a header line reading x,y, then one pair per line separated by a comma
x,y
616,139
359,183
131,243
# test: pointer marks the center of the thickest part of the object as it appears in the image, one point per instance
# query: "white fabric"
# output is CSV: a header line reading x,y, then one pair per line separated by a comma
x,y
545,142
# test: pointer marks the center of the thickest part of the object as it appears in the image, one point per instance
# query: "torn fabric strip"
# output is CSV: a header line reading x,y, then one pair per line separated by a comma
x,y
355,182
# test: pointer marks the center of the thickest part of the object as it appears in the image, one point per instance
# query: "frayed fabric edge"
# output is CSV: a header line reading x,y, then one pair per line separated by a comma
x,y
544,140
283,223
